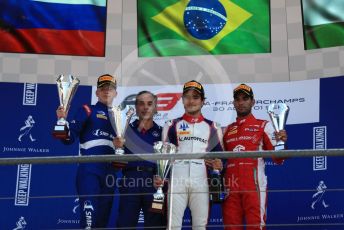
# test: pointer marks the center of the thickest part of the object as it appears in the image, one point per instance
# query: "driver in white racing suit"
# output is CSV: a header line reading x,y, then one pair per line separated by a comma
x,y
192,133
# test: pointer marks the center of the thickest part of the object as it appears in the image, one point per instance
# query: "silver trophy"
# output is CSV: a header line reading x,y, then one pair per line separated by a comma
x,y
66,88
163,167
278,114
120,122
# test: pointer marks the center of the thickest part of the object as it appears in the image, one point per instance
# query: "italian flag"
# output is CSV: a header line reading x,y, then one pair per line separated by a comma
x,y
323,23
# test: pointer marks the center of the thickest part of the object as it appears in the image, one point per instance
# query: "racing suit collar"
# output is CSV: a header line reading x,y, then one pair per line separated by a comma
x,y
241,120
102,105
191,119
136,123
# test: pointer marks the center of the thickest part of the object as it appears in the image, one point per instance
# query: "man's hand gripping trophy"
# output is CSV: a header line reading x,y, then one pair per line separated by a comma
x,y
163,167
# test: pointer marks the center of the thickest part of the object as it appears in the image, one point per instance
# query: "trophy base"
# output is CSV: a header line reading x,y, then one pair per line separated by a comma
x,y
157,206
119,165
119,151
215,188
216,197
279,147
61,132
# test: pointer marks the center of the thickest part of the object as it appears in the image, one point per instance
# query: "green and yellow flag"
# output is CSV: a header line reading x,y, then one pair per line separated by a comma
x,y
197,27
323,23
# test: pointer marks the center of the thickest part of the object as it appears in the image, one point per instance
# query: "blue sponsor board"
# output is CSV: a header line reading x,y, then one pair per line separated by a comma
x,y
36,196
28,118
301,191
310,190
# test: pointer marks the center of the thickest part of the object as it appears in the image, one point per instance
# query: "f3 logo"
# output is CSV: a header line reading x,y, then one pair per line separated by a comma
x,y
166,101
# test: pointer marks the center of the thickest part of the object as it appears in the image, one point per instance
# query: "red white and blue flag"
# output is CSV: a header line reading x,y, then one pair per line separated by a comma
x,y
66,27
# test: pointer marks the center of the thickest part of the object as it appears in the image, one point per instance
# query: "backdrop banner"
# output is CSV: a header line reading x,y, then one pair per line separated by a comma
x,y
301,191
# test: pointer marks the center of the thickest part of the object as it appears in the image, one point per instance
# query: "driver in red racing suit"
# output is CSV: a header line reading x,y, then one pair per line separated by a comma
x,y
245,178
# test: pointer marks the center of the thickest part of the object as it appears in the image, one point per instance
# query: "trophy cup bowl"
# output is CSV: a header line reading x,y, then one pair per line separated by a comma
x,y
163,167
278,114
120,123
66,88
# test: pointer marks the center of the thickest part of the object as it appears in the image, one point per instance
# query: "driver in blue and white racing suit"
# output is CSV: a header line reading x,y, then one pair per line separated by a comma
x,y
91,125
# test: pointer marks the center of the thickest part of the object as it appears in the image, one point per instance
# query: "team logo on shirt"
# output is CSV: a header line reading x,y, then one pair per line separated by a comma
x,y
184,126
241,138
88,209
101,115
256,139
239,148
251,129
232,131
184,129
242,121
193,139
101,133
155,134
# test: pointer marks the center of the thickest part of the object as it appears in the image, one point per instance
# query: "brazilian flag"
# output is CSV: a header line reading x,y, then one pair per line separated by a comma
x,y
198,27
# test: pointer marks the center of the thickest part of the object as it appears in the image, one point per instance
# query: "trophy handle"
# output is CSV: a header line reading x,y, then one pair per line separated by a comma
x,y
273,117
167,170
284,116
129,115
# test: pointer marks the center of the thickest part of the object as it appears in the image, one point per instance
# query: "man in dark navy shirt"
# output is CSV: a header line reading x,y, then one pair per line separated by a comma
x,y
91,125
138,175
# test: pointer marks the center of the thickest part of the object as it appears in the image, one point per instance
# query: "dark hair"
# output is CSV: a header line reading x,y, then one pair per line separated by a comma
x,y
155,98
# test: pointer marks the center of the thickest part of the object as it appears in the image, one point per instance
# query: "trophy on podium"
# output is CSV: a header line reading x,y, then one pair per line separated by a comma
x,y
216,189
163,167
66,88
120,122
278,114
